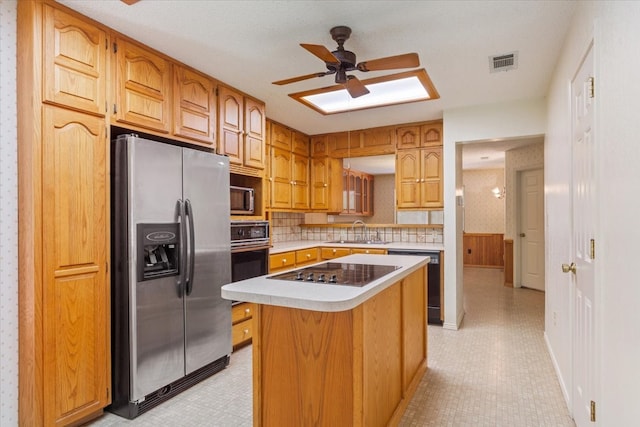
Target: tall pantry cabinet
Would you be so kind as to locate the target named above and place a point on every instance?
(64, 216)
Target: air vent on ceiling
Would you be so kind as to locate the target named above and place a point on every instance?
(505, 62)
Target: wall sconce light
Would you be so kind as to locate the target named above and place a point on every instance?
(499, 194)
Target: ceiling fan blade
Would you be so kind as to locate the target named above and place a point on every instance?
(355, 87)
(299, 78)
(408, 60)
(321, 52)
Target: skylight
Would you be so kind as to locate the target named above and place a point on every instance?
(411, 86)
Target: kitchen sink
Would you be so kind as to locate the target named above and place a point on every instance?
(360, 242)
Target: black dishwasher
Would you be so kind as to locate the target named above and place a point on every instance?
(433, 283)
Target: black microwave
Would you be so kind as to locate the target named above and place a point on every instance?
(242, 200)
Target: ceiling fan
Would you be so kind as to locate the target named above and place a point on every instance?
(341, 61)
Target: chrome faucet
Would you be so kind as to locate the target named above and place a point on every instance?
(364, 228)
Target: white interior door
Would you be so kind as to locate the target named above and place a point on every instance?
(582, 268)
(532, 228)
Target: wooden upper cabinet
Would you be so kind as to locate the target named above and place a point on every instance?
(254, 134)
(326, 184)
(408, 137)
(300, 174)
(143, 87)
(431, 135)
(281, 178)
(375, 139)
(76, 292)
(319, 146)
(194, 104)
(431, 165)
(75, 58)
(280, 136)
(408, 178)
(231, 117)
(242, 131)
(419, 178)
(300, 143)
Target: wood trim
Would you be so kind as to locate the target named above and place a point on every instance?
(508, 263)
(29, 92)
(349, 225)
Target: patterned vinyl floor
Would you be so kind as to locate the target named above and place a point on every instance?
(494, 371)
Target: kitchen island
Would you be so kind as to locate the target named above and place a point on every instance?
(337, 355)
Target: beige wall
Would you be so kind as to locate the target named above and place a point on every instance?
(483, 212)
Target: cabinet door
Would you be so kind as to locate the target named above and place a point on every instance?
(367, 195)
(408, 137)
(75, 57)
(408, 178)
(75, 295)
(320, 183)
(379, 140)
(300, 143)
(194, 105)
(143, 87)
(300, 173)
(431, 181)
(254, 150)
(231, 118)
(282, 180)
(319, 146)
(431, 135)
(280, 136)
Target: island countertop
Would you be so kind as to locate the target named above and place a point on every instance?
(325, 297)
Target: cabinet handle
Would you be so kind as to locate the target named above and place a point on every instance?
(325, 185)
(308, 255)
(270, 179)
(284, 260)
(246, 331)
(247, 311)
(334, 251)
(417, 180)
(367, 251)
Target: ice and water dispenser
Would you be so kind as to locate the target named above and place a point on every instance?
(158, 250)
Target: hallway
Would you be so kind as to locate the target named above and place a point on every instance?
(494, 371)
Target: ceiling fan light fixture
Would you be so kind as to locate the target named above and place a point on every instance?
(410, 86)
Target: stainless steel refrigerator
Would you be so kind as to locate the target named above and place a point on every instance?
(170, 255)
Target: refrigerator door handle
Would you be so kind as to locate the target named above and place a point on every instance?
(183, 247)
(192, 247)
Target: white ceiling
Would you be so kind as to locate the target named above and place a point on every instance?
(249, 44)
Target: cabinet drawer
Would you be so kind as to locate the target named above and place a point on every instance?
(330, 253)
(369, 251)
(306, 256)
(241, 312)
(241, 332)
(281, 261)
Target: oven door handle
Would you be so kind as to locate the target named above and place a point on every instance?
(249, 248)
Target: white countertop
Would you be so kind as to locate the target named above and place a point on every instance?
(306, 244)
(325, 297)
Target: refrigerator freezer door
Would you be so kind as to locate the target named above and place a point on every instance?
(208, 316)
(156, 306)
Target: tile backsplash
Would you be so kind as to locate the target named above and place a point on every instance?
(285, 226)
(388, 234)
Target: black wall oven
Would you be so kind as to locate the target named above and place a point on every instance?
(249, 249)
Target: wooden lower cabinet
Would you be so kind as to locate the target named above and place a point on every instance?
(330, 253)
(362, 370)
(242, 324)
(369, 251)
(282, 261)
(307, 256)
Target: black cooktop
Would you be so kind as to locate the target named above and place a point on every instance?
(336, 273)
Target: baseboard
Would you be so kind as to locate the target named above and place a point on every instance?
(556, 367)
(454, 326)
